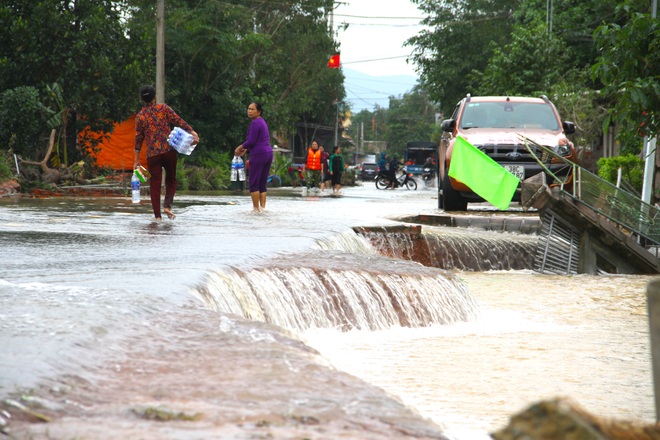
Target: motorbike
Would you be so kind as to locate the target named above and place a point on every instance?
(405, 180)
(428, 175)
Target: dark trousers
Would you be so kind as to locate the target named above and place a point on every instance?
(156, 164)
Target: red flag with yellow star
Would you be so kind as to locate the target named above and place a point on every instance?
(333, 62)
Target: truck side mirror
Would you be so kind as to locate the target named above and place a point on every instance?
(568, 126)
(448, 125)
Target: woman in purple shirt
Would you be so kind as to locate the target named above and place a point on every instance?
(257, 144)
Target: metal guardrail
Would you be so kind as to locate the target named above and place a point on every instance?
(616, 204)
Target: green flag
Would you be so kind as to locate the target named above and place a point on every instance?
(481, 174)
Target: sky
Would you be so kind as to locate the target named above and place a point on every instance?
(373, 45)
(377, 30)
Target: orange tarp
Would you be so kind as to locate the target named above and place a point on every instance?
(117, 151)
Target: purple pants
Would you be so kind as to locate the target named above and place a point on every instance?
(259, 170)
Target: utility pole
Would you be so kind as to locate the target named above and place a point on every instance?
(548, 15)
(362, 136)
(337, 124)
(160, 51)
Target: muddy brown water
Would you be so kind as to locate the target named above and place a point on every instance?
(102, 324)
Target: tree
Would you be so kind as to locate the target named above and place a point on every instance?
(629, 69)
(22, 119)
(81, 45)
(460, 39)
(410, 118)
(530, 64)
(220, 56)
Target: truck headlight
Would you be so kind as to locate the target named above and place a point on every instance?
(562, 150)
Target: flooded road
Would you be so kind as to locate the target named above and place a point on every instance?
(100, 307)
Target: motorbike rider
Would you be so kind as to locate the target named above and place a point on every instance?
(383, 165)
(394, 167)
(429, 168)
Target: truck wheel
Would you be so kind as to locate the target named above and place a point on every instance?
(451, 199)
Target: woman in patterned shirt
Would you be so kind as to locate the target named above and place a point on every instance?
(153, 125)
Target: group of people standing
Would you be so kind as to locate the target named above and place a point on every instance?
(323, 167)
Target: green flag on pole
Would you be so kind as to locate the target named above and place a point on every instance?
(481, 174)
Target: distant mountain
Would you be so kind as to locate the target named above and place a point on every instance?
(365, 91)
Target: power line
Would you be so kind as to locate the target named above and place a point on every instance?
(378, 18)
(375, 59)
(384, 24)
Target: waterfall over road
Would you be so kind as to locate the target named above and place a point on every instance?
(340, 290)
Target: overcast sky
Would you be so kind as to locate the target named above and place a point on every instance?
(377, 30)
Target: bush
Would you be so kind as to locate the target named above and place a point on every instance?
(210, 172)
(632, 169)
(6, 166)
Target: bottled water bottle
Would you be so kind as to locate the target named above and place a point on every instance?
(181, 141)
(174, 138)
(186, 142)
(234, 169)
(240, 166)
(135, 188)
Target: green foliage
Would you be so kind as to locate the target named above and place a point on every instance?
(533, 61)
(280, 165)
(529, 53)
(6, 166)
(410, 118)
(584, 107)
(22, 119)
(83, 46)
(632, 169)
(211, 171)
(629, 68)
(572, 22)
(222, 56)
(460, 38)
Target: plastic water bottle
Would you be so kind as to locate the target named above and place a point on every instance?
(181, 141)
(135, 188)
(234, 169)
(241, 169)
(172, 138)
(186, 142)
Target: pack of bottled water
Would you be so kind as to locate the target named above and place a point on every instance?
(237, 169)
(181, 141)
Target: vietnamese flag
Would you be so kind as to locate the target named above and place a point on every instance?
(333, 62)
(482, 174)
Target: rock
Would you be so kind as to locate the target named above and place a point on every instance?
(9, 188)
(562, 419)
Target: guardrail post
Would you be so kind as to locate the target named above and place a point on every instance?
(653, 302)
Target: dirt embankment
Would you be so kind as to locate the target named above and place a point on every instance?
(9, 188)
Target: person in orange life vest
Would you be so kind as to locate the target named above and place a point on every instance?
(313, 165)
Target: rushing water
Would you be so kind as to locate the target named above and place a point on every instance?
(89, 286)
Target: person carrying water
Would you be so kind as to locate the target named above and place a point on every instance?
(257, 143)
(152, 126)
